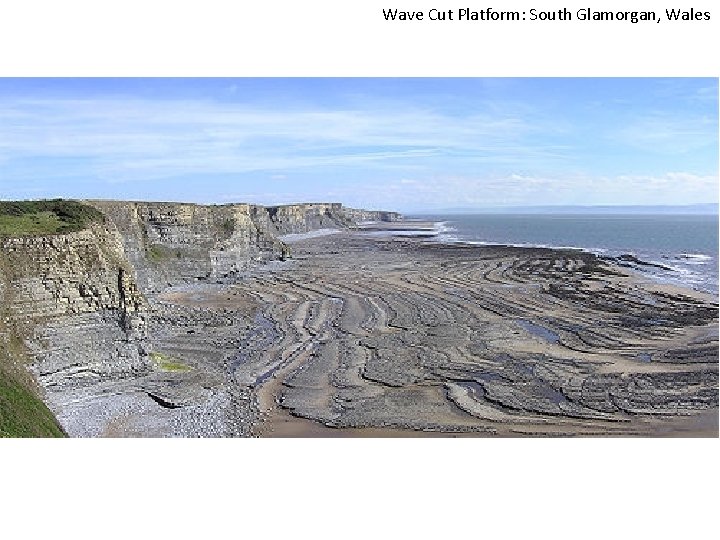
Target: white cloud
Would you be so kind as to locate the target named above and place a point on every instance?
(393, 153)
(528, 190)
(136, 139)
(669, 134)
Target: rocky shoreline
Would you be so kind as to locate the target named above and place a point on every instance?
(362, 334)
(369, 336)
(407, 334)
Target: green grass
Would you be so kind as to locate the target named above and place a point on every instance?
(34, 224)
(228, 226)
(168, 363)
(22, 414)
(156, 252)
(35, 218)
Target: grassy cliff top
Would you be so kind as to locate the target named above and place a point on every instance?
(37, 218)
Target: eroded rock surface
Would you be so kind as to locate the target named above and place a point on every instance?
(111, 357)
(404, 334)
(194, 321)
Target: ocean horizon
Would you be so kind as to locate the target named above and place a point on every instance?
(684, 247)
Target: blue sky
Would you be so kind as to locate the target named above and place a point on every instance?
(401, 144)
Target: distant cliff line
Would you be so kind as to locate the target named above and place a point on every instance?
(169, 243)
(158, 244)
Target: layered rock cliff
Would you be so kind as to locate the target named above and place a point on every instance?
(357, 215)
(171, 243)
(74, 301)
(77, 303)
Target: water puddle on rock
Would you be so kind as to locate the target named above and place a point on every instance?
(258, 338)
(539, 331)
(555, 396)
(475, 390)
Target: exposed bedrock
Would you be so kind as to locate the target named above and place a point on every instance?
(112, 359)
(171, 243)
(492, 340)
(74, 300)
(165, 321)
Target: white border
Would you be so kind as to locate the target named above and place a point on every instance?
(513, 488)
(331, 38)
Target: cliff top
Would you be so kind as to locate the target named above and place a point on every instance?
(214, 204)
(59, 216)
(56, 216)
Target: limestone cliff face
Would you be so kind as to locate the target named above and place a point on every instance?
(173, 243)
(301, 218)
(358, 216)
(73, 299)
(77, 301)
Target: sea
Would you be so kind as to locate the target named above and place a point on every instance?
(684, 247)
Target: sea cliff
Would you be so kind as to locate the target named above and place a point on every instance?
(183, 320)
(75, 304)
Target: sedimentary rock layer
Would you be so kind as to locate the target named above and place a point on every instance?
(184, 320)
(407, 335)
(81, 303)
(171, 243)
(74, 301)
